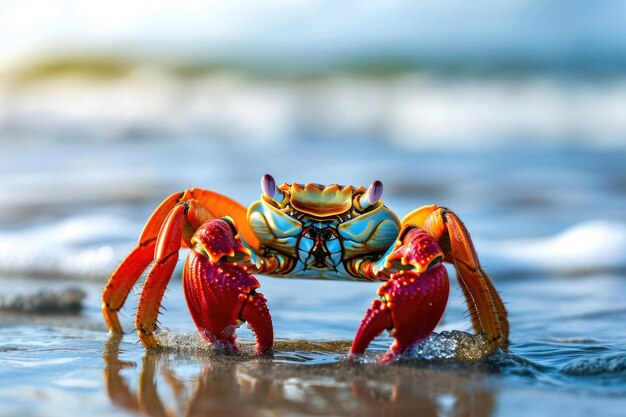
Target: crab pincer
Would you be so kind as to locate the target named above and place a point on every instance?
(412, 302)
(220, 293)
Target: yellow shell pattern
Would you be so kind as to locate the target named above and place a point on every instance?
(320, 200)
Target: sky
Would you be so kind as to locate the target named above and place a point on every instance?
(571, 56)
(546, 32)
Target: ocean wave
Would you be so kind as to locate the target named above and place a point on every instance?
(603, 365)
(408, 110)
(588, 247)
(91, 246)
(79, 247)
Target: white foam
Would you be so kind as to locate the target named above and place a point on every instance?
(596, 245)
(82, 246)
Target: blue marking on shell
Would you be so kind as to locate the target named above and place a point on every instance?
(367, 234)
(319, 246)
(336, 252)
(300, 271)
(372, 232)
(273, 227)
(304, 249)
(380, 265)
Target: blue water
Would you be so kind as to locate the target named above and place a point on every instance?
(549, 226)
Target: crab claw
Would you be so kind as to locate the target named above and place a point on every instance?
(412, 302)
(220, 293)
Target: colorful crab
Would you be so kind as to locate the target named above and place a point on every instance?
(310, 231)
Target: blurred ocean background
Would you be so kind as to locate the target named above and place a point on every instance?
(401, 73)
(513, 114)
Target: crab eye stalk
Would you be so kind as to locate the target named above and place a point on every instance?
(372, 195)
(268, 185)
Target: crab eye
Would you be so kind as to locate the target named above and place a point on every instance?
(268, 185)
(374, 192)
(372, 195)
(271, 191)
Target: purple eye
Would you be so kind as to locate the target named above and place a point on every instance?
(268, 185)
(374, 192)
(372, 195)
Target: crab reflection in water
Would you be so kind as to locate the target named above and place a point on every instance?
(239, 386)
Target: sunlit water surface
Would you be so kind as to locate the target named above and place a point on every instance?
(549, 227)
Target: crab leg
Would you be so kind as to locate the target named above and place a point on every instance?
(489, 316)
(211, 204)
(188, 215)
(128, 272)
(166, 255)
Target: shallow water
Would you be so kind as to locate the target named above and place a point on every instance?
(549, 226)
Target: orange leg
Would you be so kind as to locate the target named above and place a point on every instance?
(188, 215)
(220, 206)
(165, 258)
(489, 316)
(128, 272)
(125, 276)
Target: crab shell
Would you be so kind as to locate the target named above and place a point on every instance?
(279, 221)
(319, 200)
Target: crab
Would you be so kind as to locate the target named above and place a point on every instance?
(304, 231)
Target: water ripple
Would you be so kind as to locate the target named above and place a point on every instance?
(597, 366)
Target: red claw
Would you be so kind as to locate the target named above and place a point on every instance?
(377, 319)
(221, 294)
(256, 313)
(412, 303)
